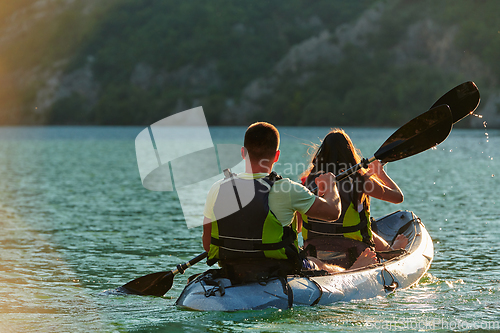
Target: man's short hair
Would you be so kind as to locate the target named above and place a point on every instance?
(261, 141)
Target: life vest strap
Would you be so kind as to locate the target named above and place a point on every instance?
(251, 245)
(331, 228)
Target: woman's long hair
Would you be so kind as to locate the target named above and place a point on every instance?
(336, 154)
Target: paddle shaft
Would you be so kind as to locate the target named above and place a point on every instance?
(344, 174)
(181, 268)
(362, 165)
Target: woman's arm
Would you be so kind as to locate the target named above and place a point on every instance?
(380, 186)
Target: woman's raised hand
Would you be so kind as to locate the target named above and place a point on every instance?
(375, 168)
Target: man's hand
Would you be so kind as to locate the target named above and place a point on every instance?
(327, 204)
(326, 183)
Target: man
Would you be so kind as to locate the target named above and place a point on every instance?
(258, 237)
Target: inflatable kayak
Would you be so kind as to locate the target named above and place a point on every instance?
(206, 292)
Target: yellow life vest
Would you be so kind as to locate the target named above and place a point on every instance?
(351, 224)
(354, 224)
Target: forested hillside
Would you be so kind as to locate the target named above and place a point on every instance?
(291, 62)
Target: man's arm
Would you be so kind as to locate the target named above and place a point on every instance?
(207, 233)
(327, 205)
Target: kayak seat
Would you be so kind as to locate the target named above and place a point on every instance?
(338, 251)
(313, 273)
(389, 226)
(391, 254)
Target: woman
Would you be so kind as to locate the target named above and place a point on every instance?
(350, 237)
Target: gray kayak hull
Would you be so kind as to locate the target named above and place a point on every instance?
(368, 282)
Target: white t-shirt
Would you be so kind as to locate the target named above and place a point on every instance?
(285, 197)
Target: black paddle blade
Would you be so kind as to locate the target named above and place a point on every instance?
(462, 100)
(157, 284)
(154, 284)
(419, 134)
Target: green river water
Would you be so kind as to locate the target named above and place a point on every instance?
(75, 220)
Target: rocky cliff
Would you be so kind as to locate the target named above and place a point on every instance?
(134, 62)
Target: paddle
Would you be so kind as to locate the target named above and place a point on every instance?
(419, 134)
(462, 100)
(157, 284)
